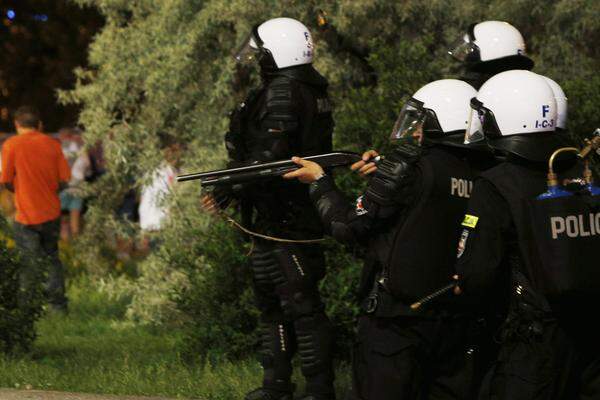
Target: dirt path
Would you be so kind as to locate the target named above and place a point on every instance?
(8, 394)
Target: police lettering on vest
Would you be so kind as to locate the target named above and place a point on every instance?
(461, 187)
(575, 226)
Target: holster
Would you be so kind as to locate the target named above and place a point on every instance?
(370, 303)
(528, 312)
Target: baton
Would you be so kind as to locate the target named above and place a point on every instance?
(433, 296)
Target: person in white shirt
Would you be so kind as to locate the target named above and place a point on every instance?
(153, 208)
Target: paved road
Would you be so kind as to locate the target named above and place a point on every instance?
(7, 394)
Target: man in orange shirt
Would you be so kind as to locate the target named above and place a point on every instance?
(33, 166)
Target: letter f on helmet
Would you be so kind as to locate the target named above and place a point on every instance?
(545, 110)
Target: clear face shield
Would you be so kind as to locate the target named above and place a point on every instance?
(249, 50)
(465, 50)
(409, 125)
(474, 132)
(481, 121)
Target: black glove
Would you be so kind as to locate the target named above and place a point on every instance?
(394, 179)
(223, 194)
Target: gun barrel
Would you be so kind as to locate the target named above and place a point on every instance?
(261, 170)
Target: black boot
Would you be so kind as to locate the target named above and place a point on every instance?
(266, 394)
(314, 347)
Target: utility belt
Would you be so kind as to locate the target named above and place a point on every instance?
(381, 302)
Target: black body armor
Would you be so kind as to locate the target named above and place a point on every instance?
(558, 238)
(549, 349)
(409, 219)
(412, 242)
(290, 115)
(424, 246)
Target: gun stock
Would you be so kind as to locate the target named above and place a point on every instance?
(270, 169)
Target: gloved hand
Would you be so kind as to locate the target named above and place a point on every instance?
(389, 182)
(395, 176)
(216, 200)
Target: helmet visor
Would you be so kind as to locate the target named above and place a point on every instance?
(482, 123)
(465, 50)
(409, 125)
(249, 50)
(474, 132)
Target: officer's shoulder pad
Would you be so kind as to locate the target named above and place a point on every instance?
(281, 80)
(280, 93)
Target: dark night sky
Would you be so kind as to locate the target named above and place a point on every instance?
(41, 42)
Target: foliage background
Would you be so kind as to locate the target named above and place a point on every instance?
(162, 70)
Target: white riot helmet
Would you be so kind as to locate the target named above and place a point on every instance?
(286, 42)
(515, 112)
(489, 41)
(561, 103)
(439, 112)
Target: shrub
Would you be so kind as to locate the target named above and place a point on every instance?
(219, 302)
(19, 308)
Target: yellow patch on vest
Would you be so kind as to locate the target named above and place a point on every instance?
(470, 221)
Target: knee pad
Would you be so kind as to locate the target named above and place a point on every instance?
(266, 269)
(314, 336)
(277, 349)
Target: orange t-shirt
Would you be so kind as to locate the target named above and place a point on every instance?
(34, 164)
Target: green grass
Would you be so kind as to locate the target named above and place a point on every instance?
(95, 350)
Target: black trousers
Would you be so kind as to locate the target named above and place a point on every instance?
(39, 244)
(293, 319)
(546, 360)
(413, 358)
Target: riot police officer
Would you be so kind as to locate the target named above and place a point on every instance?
(549, 348)
(484, 50)
(289, 114)
(488, 48)
(408, 218)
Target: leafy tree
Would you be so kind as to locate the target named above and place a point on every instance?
(162, 71)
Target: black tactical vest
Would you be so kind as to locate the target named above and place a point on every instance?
(421, 251)
(290, 115)
(294, 101)
(558, 239)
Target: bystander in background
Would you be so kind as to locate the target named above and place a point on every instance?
(33, 166)
(71, 204)
(153, 205)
